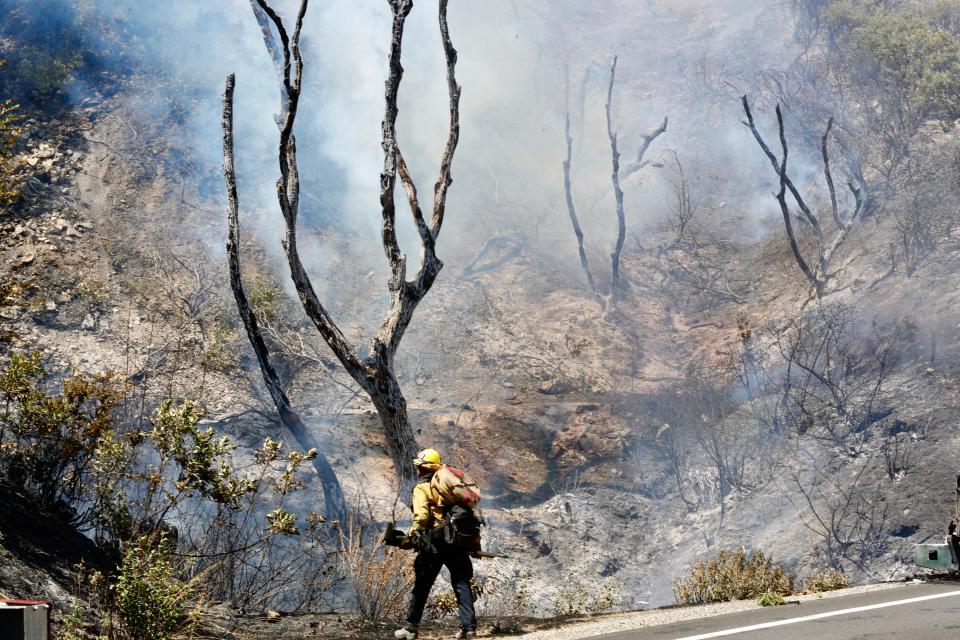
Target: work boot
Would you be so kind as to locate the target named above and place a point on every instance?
(406, 632)
(466, 633)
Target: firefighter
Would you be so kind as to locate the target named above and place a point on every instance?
(433, 554)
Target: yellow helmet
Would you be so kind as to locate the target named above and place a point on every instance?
(427, 458)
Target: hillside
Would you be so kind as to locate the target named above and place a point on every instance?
(717, 402)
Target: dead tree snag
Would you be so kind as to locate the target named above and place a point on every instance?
(819, 274)
(568, 191)
(334, 503)
(374, 371)
(646, 140)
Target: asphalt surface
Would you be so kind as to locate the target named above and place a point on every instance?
(936, 614)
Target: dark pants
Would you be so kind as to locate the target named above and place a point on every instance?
(427, 567)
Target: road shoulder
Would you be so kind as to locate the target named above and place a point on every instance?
(614, 623)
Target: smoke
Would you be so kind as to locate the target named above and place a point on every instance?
(676, 59)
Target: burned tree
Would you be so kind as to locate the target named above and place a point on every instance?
(646, 140)
(818, 274)
(568, 191)
(373, 372)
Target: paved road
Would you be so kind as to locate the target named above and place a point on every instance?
(914, 611)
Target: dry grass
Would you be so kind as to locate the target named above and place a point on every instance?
(828, 580)
(732, 576)
(381, 577)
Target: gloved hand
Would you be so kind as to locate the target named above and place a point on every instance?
(406, 542)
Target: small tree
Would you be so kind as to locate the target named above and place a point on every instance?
(373, 372)
(646, 140)
(9, 135)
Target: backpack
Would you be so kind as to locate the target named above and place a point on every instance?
(459, 497)
(455, 487)
(462, 528)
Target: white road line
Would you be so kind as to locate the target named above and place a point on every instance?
(818, 616)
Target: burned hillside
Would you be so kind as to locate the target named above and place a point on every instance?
(694, 291)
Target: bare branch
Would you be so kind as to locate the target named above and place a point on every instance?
(781, 198)
(453, 136)
(288, 195)
(825, 250)
(808, 215)
(568, 191)
(617, 191)
(373, 373)
(829, 178)
(426, 238)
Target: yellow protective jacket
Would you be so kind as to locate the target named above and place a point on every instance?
(427, 510)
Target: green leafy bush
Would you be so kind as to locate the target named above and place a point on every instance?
(50, 48)
(770, 599)
(151, 602)
(732, 576)
(48, 439)
(909, 53)
(9, 136)
(72, 626)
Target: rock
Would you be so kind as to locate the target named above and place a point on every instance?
(272, 616)
(554, 387)
(27, 257)
(51, 305)
(32, 161)
(89, 323)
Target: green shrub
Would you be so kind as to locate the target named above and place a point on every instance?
(732, 576)
(150, 600)
(828, 580)
(770, 599)
(49, 48)
(49, 439)
(43, 72)
(9, 135)
(72, 628)
(909, 53)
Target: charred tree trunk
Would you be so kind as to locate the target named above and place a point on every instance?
(374, 373)
(334, 503)
(617, 193)
(818, 276)
(647, 140)
(568, 192)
